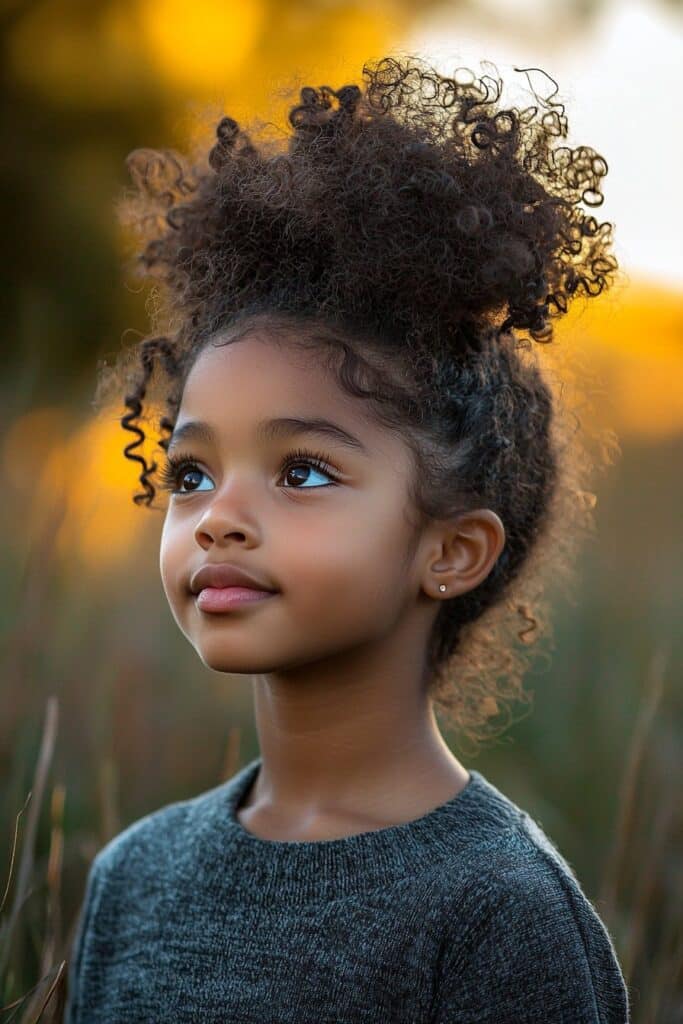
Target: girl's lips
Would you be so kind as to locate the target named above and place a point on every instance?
(224, 599)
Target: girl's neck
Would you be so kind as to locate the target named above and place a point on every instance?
(356, 775)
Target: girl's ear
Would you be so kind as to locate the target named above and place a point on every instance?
(470, 546)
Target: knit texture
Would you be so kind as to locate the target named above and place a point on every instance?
(467, 915)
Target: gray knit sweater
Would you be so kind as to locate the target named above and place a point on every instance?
(467, 915)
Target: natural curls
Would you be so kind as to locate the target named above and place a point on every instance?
(420, 233)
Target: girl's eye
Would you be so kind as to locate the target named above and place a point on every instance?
(176, 469)
(296, 467)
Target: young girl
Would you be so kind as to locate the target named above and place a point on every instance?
(366, 466)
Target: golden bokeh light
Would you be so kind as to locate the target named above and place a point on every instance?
(240, 53)
(86, 471)
(324, 46)
(199, 45)
(634, 339)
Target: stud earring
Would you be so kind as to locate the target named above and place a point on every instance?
(442, 586)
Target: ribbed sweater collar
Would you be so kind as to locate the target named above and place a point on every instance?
(276, 871)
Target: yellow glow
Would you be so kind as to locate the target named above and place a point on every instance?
(634, 337)
(87, 473)
(300, 47)
(233, 52)
(201, 44)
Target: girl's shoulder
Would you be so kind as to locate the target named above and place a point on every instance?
(161, 839)
(518, 931)
(513, 869)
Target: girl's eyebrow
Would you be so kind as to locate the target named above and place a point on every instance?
(269, 429)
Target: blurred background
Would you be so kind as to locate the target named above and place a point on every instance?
(107, 712)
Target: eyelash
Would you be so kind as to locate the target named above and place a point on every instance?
(177, 464)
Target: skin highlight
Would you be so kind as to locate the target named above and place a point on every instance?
(347, 733)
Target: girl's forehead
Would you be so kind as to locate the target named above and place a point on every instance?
(272, 360)
(258, 374)
(242, 384)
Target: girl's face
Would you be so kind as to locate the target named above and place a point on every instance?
(331, 541)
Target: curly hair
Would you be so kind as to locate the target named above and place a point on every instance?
(421, 235)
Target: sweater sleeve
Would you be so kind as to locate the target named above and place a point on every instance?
(73, 1012)
(537, 953)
